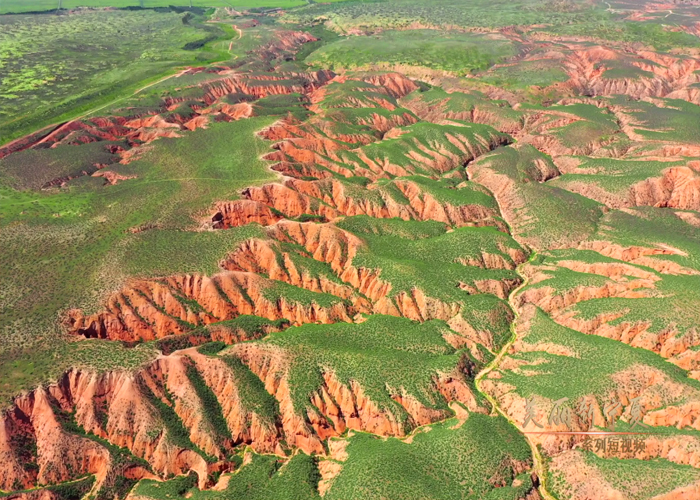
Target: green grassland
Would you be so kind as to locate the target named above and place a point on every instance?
(459, 102)
(650, 33)
(365, 94)
(455, 104)
(75, 242)
(594, 125)
(626, 69)
(525, 74)
(57, 66)
(591, 368)
(264, 478)
(278, 290)
(673, 120)
(639, 479)
(445, 191)
(252, 391)
(671, 305)
(22, 173)
(615, 176)
(449, 460)
(18, 6)
(173, 488)
(169, 251)
(45, 361)
(457, 52)
(354, 120)
(676, 304)
(72, 491)
(653, 227)
(523, 164)
(410, 259)
(371, 16)
(445, 461)
(674, 301)
(546, 215)
(429, 141)
(563, 279)
(385, 355)
(643, 479)
(429, 264)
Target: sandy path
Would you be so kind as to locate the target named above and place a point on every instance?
(161, 80)
(240, 35)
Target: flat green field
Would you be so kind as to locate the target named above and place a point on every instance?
(451, 51)
(372, 15)
(650, 33)
(54, 67)
(526, 74)
(18, 6)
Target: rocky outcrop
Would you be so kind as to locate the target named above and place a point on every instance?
(129, 411)
(480, 110)
(285, 42)
(150, 309)
(627, 282)
(396, 84)
(265, 257)
(112, 177)
(41, 452)
(641, 256)
(257, 86)
(245, 423)
(678, 187)
(241, 212)
(331, 198)
(652, 74)
(120, 407)
(113, 406)
(332, 245)
(335, 406)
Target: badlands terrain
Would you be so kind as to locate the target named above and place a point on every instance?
(350, 250)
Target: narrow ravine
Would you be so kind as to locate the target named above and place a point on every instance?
(538, 463)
